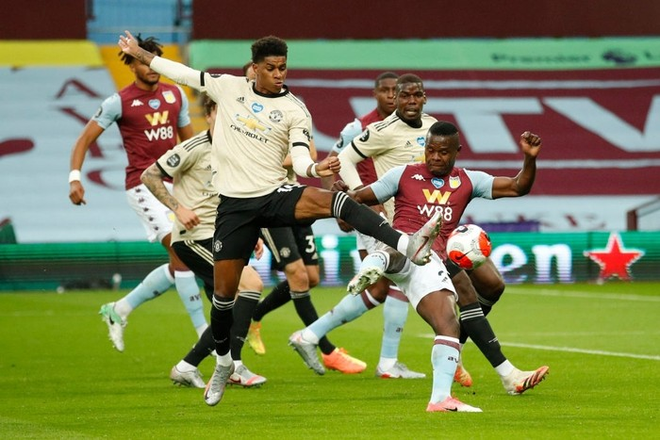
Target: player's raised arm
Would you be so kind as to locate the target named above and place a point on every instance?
(524, 180)
(177, 72)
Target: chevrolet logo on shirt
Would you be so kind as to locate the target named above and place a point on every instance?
(252, 124)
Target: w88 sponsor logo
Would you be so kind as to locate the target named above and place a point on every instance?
(430, 210)
(160, 133)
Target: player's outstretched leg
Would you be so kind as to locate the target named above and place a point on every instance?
(419, 244)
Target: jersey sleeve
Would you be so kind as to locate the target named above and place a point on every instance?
(177, 160)
(215, 84)
(350, 131)
(482, 184)
(184, 114)
(370, 143)
(109, 112)
(300, 131)
(387, 186)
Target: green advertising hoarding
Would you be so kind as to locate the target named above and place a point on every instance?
(522, 257)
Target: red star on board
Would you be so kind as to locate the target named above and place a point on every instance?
(614, 260)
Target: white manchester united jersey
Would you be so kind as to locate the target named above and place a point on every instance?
(255, 134)
(391, 143)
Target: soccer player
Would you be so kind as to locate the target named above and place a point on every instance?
(294, 253)
(397, 140)
(440, 187)
(260, 122)
(429, 287)
(194, 201)
(150, 115)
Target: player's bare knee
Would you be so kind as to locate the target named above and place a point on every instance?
(296, 274)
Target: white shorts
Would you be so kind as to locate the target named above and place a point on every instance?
(156, 218)
(418, 281)
(365, 242)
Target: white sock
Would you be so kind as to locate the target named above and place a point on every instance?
(402, 245)
(184, 366)
(224, 359)
(505, 368)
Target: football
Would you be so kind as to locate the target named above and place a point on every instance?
(468, 246)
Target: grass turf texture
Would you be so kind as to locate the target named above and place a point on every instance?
(60, 377)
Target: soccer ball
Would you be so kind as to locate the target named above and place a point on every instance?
(468, 246)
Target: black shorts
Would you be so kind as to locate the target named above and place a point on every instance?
(238, 221)
(291, 244)
(198, 256)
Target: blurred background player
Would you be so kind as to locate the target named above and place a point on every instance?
(194, 201)
(150, 115)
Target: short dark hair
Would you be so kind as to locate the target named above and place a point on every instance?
(384, 75)
(208, 104)
(443, 128)
(268, 46)
(408, 78)
(149, 44)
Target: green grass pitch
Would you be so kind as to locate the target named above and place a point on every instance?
(60, 378)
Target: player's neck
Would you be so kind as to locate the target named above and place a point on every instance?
(145, 86)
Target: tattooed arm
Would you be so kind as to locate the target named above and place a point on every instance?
(152, 178)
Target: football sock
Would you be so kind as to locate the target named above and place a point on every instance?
(443, 357)
(277, 297)
(376, 259)
(186, 286)
(224, 360)
(203, 348)
(221, 322)
(395, 313)
(349, 308)
(184, 366)
(152, 286)
(478, 328)
(486, 304)
(505, 368)
(365, 220)
(307, 313)
(244, 307)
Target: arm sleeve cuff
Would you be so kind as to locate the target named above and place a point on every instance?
(177, 72)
